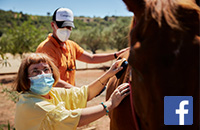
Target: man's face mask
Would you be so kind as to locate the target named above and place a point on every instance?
(41, 84)
(62, 33)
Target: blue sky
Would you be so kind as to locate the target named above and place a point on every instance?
(91, 8)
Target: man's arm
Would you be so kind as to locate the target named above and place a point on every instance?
(99, 58)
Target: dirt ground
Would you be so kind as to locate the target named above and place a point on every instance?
(7, 106)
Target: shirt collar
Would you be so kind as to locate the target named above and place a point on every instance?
(54, 41)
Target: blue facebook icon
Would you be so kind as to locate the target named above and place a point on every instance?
(178, 110)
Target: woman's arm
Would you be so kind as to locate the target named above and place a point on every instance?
(91, 114)
(95, 87)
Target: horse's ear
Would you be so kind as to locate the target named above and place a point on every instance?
(135, 6)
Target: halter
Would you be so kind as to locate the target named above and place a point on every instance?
(131, 101)
(128, 78)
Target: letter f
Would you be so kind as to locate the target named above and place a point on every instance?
(181, 111)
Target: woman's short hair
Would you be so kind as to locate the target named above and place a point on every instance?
(22, 83)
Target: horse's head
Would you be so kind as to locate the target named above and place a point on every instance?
(160, 28)
(164, 51)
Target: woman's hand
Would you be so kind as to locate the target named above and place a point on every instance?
(114, 68)
(118, 95)
(90, 114)
(95, 87)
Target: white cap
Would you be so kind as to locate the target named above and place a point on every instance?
(64, 17)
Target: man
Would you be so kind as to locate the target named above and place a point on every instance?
(64, 52)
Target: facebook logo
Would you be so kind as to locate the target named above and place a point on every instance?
(178, 110)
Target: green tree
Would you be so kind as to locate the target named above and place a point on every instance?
(21, 33)
(94, 39)
(117, 33)
(21, 39)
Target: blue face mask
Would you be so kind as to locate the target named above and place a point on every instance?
(41, 84)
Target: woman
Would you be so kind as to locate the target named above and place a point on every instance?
(42, 107)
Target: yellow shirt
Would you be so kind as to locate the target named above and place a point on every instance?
(61, 112)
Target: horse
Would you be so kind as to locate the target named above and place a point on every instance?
(121, 117)
(164, 61)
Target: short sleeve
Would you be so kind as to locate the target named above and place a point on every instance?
(60, 118)
(67, 112)
(74, 98)
(78, 50)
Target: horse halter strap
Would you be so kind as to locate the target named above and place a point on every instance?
(131, 101)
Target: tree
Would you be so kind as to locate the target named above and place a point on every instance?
(117, 34)
(48, 13)
(21, 33)
(21, 39)
(94, 39)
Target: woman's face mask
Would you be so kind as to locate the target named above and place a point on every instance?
(63, 34)
(41, 84)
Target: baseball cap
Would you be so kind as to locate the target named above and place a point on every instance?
(63, 17)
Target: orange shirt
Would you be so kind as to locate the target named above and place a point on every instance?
(64, 57)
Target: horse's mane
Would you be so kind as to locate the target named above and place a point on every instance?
(177, 14)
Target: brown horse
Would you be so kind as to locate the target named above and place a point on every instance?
(164, 56)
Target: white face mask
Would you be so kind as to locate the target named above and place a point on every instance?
(63, 34)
